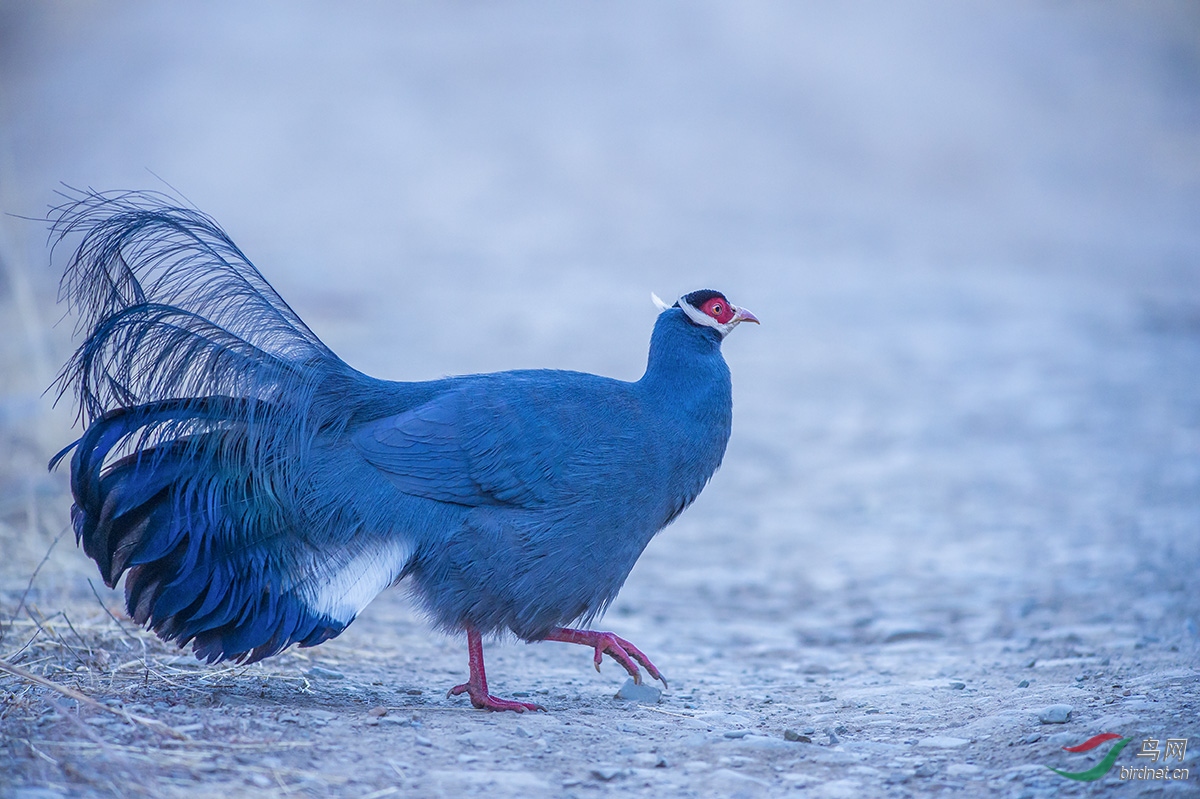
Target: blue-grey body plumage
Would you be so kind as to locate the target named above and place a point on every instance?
(255, 491)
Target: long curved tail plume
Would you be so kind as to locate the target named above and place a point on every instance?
(170, 307)
(203, 395)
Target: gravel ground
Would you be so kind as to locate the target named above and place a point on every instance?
(964, 481)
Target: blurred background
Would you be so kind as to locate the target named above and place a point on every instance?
(971, 232)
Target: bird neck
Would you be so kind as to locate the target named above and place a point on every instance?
(688, 400)
(685, 366)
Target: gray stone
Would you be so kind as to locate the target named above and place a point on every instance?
(394, 721)
(943, 742)
(912, 634)
(762, 743)
(649, 760)
(645, 693)
(1055, 714)
(607, 773)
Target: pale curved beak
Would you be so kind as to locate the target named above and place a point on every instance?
(743, 315)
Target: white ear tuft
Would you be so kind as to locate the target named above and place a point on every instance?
(658, 303)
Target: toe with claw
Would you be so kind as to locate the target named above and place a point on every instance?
(620, 650)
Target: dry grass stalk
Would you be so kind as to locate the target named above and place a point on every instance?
(71, 693)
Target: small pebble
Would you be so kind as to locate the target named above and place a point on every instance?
(736, 733)
(423, 741)
(1055, 714)
(792, 735)
(607, 773)
(943, 742)
(736, 761)
(1023, 684)
(958, 686)
(901, 636)
(649, 760)
(380, 710)
(645, 693)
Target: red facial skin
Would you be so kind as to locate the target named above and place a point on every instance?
(718, 308)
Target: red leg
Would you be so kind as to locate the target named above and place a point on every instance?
(477, 688)
(621, 650)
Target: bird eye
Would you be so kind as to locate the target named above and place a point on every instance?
(717, 309)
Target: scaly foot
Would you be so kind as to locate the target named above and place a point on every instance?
(481, 699)
(476, 686)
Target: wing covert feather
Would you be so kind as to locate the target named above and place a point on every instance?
(468, 447)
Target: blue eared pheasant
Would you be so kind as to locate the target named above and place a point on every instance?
(255, 491)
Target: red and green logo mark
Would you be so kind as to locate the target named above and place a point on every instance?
(1104, 766)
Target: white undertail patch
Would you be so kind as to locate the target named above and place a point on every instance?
(342, 591)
